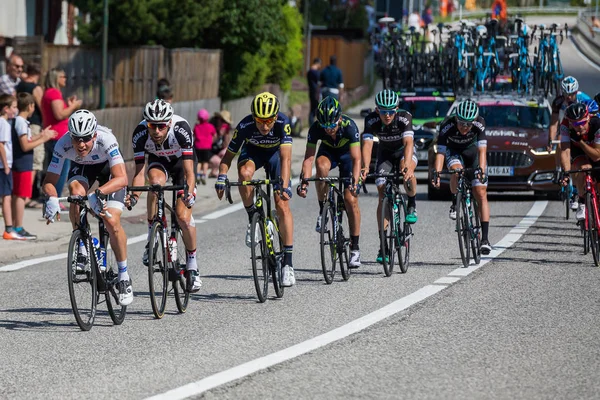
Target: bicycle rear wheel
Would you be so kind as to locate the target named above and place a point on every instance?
(462, 229)
(277, 259)
(182, 296)
(260, 262)
(83, 289)
(329, 254)
(158, 276)
(592, 216)
(117, 312)
(403, 239)
(387, 237)
(344, 243)
(475, 230)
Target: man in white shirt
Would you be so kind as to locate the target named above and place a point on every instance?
(11, 79)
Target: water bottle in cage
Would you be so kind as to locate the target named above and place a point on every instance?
(100, 254)
(271, 228)
(172, 249)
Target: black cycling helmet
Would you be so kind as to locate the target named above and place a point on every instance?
(329, 111)
(597, 98)
(577, 112)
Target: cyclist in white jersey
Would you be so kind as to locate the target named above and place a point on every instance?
(94, 154)
(167, 139)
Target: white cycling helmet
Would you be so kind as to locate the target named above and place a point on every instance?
(569, 85)
(481, 31)
(82, 123)
(158, 111)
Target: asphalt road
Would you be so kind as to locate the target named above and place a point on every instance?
(524, 325)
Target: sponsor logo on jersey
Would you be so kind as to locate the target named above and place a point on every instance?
(114, 153)
(447, 128)
(139, 135)
(182, 131)
(95, 157)
(54, 159)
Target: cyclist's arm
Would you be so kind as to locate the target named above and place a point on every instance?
(226, 162)
(482, 157)
(285, 151)
(54, 170)
(117, 181)
(367, 148)
(409, 149)
(355, 155)
(565, 156)
(309, 158)
(139, 177)
(553, 129)
(49, 185)
(188, 172)
(439, 161)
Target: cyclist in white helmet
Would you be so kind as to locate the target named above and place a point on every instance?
(95, 155)
(167, 139)
(570, 95)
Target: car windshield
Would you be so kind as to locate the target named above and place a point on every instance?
(426, 109)
(515, 116)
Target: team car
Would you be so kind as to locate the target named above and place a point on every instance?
(517, 146)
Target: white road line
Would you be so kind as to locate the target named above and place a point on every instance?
(250, 367)
(583, 56)
(301, 348)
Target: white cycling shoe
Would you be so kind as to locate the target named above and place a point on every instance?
(288, 276)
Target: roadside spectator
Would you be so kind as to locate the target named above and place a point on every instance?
(55, 113)
(8, 110)
(14, 69)
(414, 21)
(427, 17)
(204, 136)
(594, 25)
(332, 83)
(30, 85)
(22, 167)
(164, 91)
(312, 76)
(222, 122)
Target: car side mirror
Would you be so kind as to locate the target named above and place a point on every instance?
(364, 112)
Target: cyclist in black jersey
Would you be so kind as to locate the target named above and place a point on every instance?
(167, 140)
(265, 139)
(462, 142)
(580, 147)
(340, 145)
(394, 129)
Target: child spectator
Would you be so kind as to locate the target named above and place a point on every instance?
(204, 134)
(8, 110)
(22, 166)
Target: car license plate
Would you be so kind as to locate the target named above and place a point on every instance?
(422, 155)
(501, 171)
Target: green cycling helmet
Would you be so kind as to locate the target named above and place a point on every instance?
(467, 111)
(387, 99)
(329, 111)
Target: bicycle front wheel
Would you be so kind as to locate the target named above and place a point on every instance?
(475, 230)
(329, 254)
(277, 257)
(158, 277)
(83, 289)
(462, 229)
(403, 240)
(592, 216)
(182, 296)
(116, 311)
(260, 262)
(344, 243)
(386, 236)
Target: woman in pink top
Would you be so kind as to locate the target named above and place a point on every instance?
(55, 113)
(204, 134)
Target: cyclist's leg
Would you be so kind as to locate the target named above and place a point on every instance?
(157, 175)
(352, 208)
(411, 189)
(184, 215)
(385, 165)
(79, 181)
(453, 161)
(323, 165)
(248, 163)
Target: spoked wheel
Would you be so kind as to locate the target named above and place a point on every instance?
(329, 254)
(403, 241)
(462, 229)
(182, 296)
(592, 215)
(344, 244)
(260, 262)
(277, 260)
(115, 309)
(83, 290)
(387, 237)
(158, 276)
(565, 197)
(586, 237)
(475, 230)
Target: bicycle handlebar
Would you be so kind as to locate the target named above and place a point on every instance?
(81, 201)
(253, 182)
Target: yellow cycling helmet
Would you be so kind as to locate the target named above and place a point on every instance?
(265, 105)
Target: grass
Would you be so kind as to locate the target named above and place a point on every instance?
(298, 97)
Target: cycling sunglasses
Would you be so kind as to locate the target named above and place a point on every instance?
(328, 126)
(466, 124)
(579, 123)
(266, 121)
(387, 112)
(158, 126)
(84, 139)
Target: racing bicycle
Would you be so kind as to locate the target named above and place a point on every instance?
(468, 223)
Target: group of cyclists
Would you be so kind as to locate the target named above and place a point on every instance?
(163, 150)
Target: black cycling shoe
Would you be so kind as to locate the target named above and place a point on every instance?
(485, 247)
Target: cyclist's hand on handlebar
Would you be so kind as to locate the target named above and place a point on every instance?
(131, 200)
(51, 210)
(220, 185)
(302, 189)
(479, 174)
(409, 173)
(363, 173)
(190, 199)
(435, 180)
(97, 201)
(285, 194)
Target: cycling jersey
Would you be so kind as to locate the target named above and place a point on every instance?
(450, 137)
(247, 133)
(105, 149)
(345, 137)
(560, 103)
(569, 135)
(390, 136)
(178, 143)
